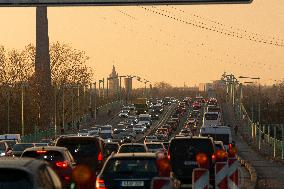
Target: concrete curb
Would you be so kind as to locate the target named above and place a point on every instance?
(252, 171)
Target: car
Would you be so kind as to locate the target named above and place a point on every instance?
(133, 119)
(144, 119)
(185, 132)
(169, 127)
(128, 170)
(86, 150)
(123, 113)
(185, 151)
(59, 158)
(10, 143)
(221, 154)
(111, 147)
(155, 147)
(20, 147)
(27, 173)
(151, 138)
(106, 132)
(139, 128)
(3, 148)
(132, 148)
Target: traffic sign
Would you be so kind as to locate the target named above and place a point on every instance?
(17, 3)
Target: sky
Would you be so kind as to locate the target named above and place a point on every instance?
(164, 43)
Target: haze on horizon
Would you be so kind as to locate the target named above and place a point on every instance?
(139, 42)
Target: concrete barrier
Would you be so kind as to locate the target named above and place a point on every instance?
(252, 172)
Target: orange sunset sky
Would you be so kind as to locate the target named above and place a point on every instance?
(159, 48)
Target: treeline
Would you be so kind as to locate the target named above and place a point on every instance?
(71, 79)
(271, 100)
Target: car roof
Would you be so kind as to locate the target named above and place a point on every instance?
(27, 164)
(133, 144)
(153, 143)
(54, 148)
(191, 137)
(218, 142)
(134, 155)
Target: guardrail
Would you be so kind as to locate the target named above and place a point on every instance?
(51, 133)
(262, 136)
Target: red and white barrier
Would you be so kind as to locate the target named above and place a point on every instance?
(233, 173)
(200, 178)
(221, 175)
(161, 183)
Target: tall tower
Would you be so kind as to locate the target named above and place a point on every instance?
(114, 82)
(42, 68)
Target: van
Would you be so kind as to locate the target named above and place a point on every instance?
(219, 133)
(183, 152)
(211, 119)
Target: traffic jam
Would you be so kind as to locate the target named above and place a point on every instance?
(153, 143)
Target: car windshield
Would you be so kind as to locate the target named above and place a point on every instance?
(79, 147)
(14, 179)
(131, 166)
(46, 155)
(222, 137)
(22, 147)
(132, 149)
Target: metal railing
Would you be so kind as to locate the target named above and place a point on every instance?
(263, 136)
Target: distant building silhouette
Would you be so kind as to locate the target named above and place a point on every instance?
(113, 81)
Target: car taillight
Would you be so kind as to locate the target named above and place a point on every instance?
(232, 152)
(61, 164)
(213, 157)
(230, 146)
(100, 184)
(100, 156)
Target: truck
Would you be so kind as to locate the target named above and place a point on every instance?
(141, 105)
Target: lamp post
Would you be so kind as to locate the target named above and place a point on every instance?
(252, 106)
(22, 107)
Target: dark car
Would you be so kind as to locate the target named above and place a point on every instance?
(27, 173)
(85, 150)
(183, 153)
(59, 158)
(128, 170)
(132, 148)
(111, 147)
(20, 147)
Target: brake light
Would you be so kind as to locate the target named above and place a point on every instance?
(61, 164)
(169, 156)
(100, 156)
(41, 151)
(230, 146)
(100, 184)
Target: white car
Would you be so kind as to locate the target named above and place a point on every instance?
(123, 113)
(139, 128)
(150, 139)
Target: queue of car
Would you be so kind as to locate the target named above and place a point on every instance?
(104, 157)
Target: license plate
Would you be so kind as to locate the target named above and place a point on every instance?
(132, 183)
(190, 163)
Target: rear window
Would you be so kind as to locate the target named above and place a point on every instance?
(80, 146)
(211, 116)
(22, 147)
(213, 109)
(131, 166)
(188, 148)
(49, 156)
(154, 146)
(132, 149)
(111, 147)
(221, 137)
(14, 179)
(219, 146)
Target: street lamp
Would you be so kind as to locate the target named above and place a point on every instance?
(23, 85)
